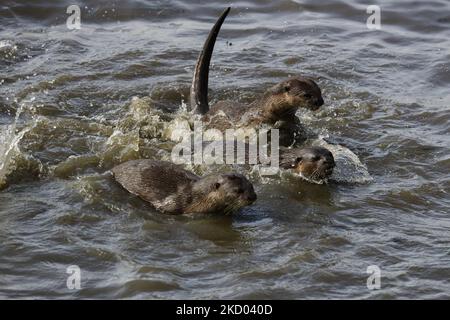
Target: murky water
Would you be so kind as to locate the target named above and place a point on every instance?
(65, 120)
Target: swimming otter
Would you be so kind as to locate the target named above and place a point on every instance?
(312, 163)
(315, 164)
(278, 104)
(173, 190)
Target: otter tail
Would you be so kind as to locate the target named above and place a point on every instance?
(199, 89)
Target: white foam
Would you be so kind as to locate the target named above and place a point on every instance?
(349, 168)
(9, 147)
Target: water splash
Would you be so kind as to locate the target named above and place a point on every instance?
(151, 123)
(10, 153)
(349, 168)
(8, 50)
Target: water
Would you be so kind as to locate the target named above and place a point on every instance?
(65, 120)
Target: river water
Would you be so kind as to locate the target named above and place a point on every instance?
(65, 120)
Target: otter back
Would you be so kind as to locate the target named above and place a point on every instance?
(164, 185)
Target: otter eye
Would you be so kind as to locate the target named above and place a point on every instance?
(217, 185)
(307, 96)
(297, 161)
(287, 88)
(316, 158)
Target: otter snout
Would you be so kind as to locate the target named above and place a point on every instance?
(328, 164)
(329, 169)
(328, 160)
(316, 103)
(251, 197)
(319, 102)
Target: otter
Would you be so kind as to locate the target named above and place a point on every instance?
(312, 163)
(173, 190)
(277, 107)
(315, 164)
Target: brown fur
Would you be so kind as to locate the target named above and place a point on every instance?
(315, 163)
(278, 104)
(171, 189)
(277, 108)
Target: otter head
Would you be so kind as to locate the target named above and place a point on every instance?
(315, 163)
(283, 99)
(223, 193)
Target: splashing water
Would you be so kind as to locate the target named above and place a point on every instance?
(349, 168)
(9, 147)
(152, 124)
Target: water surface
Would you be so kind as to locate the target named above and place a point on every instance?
(64, 104)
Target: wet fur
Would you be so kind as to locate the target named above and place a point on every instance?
(278, 104)
(315, 163)
(171, 189)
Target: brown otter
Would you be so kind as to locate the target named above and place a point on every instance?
(312, 163)
(277, 105)
(171, 189)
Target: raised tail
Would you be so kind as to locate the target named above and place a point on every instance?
(199, 89)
